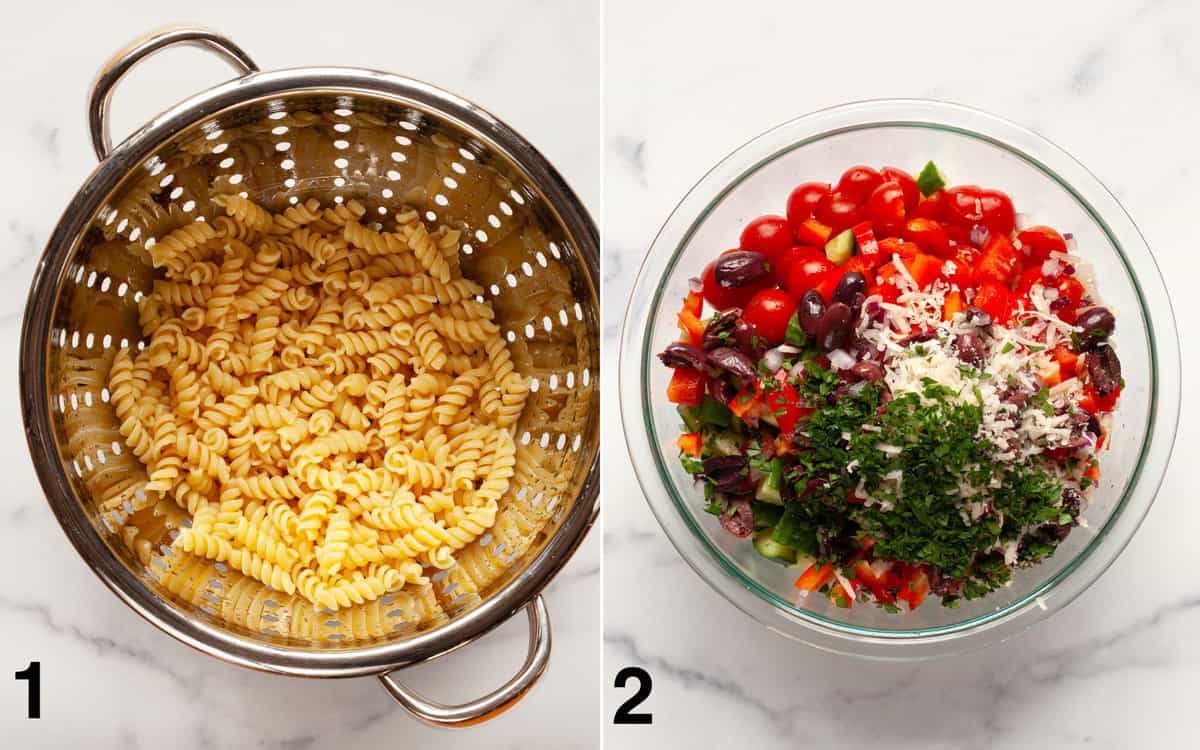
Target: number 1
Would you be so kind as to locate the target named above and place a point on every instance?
(33, 673)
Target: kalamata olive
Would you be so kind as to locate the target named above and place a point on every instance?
(730, 483)
(722, 464)
(721, 389)
(1104, 370)
(941, 584)
(812, 309)
(740, 268)
(719, 331)
(749, 342)
(970, 349)
(684, 355)
(835, 327)
(867, 370)
(732, 361)
(738, 519)
(977, 316)
(1097, 324)
(851, 289)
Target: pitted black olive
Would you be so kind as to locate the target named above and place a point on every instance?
(851, 290)
(1072, 502)
(867, 370)
(732, 361)
(741, 268)
(812, 309)
(721, 389)
(970, 349)
(750, 343)
(1097, 324)
(977, 316)
(1104, 370)
(835, 327)
(720, 329)
(684, 355)
(719, 465)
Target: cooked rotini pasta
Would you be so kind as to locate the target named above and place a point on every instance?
(330, 402)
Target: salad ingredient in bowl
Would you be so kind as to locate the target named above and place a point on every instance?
(896, 388)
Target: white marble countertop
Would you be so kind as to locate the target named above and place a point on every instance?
(1112, 83)
(109, 679)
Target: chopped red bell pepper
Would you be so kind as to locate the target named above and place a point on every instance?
(813, 233)
(868, 246)
(686, 387)
(879, 583)
(830, 283)
(914, 586)
(953, 305)
(992, 298)
(925, 269)
(893, 246)
(815, 577)
(999, 259)
(690, 443)
(692, 326)
(784, 403)
(694, 303)
(746, 400)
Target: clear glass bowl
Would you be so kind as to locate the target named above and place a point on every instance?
(1048, 186)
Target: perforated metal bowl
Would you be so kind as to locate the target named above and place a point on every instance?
(335, 134)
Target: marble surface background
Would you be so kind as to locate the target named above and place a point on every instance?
(109, 678)
(1114, 84)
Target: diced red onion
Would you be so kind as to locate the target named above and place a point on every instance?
(695, 285)
(1051, 268)
(773, 359)
(797, 370)
(840, 359)
(979, 235)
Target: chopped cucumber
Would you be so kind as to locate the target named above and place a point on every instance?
(795, 334)
(841, 247)
(712, 411)
(772, 550)
(725, 444)
(796, 531)
(691, 418)
(931, 179)
(768, 486)
(766, 515)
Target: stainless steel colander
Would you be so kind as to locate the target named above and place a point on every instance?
(282, 137)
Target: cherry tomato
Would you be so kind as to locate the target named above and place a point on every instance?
(999, 260)
(992, 298)
(803, 201)
(839, 211)
(998, 213)
(1038, 242)
(768, 314)
(722, 298)
(1070, 293)
(1029, 278)
(783, 264)
(929, 207)
(912, 194)
(962, 206)
(929, 236)
(858, 183)
(805, 274)
(770, 235)
(885, 207)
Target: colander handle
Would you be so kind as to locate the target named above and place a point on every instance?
(141, 48)
(495, 703)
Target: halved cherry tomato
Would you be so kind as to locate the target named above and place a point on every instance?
(857, 183)
(954, 304)
(686, 387)
(815, 577)
(912, 194)
(1029, 278)
(783, 264)
(770, 235)
(961, 205)
(992, 298)
(925, 269)
(806, 273)
(1070, 293)
(812, 233)
(999, 259)
(784, 403)
(768, 314)
(723, 298)
(803, 201)
(1038, 242)
(885, 207)
(690, 444)
(839, 211)
(929, 207)
(866, 575)
(998, 213)
(930, 236)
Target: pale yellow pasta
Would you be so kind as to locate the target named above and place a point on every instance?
(331, 403)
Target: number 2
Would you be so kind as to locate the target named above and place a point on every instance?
(33, 673)
(625, 714)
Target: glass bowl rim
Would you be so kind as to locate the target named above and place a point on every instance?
(677, 231)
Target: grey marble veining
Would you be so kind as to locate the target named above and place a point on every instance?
(1114, 669)
(107, 675)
